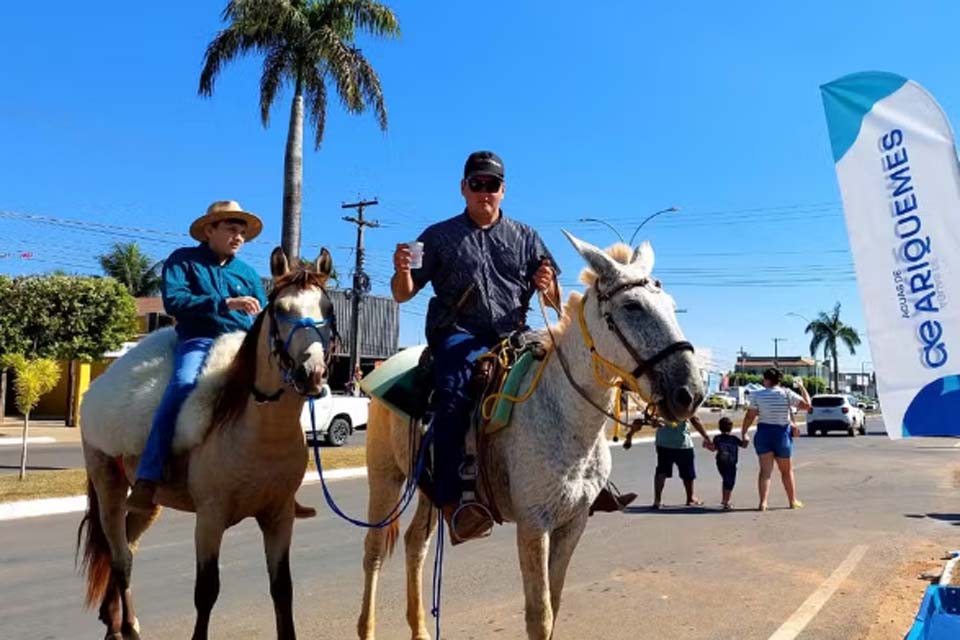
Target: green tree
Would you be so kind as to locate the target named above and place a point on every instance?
(127, 264)
(34, 379)
(827, 331)
(306, 44)
(66, 318)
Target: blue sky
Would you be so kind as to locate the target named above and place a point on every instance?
(611, 112)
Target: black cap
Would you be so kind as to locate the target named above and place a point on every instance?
(483, 163)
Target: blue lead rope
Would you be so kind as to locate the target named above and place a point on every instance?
(409, 491)
(406, 497)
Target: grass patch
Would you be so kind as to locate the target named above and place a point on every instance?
(43, 484)
(338, 458)
(73, 482)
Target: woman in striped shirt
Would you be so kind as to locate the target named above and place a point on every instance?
(775, 432)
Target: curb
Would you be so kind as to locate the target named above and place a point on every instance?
(74, 504)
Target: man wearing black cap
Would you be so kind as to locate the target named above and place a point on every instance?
(484, 268)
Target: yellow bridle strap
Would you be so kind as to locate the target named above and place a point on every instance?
(486, 410)
(619, 376)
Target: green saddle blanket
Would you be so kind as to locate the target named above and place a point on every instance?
(404, 386)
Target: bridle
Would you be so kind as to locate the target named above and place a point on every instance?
(325, 328)
(644, 365)
(629, 379)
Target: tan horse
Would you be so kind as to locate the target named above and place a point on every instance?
(234, 457)
(547, 468)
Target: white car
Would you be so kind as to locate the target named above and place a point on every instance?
(835, 412)
(337, 417)
(721, 400)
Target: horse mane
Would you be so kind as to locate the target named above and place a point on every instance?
(240, 375)
(620, 252)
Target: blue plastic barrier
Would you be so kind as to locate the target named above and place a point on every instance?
(939, 615)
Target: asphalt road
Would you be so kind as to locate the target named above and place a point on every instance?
(679, 573)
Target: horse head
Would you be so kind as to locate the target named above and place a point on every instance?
(302, 322)
(634, 326)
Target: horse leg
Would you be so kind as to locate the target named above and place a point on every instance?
(106, 554)
(137, 524)
(563, 540)
(384, 484)
(207, 538)
(277, 528)
(416, 541)
(534, 547)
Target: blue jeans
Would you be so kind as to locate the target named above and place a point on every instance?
(188, 359)
(453, 357)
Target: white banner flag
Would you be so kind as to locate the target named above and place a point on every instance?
(900, 182)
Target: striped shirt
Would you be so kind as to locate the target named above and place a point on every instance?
(773, 404)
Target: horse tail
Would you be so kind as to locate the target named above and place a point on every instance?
(393, 532)
(96, 563)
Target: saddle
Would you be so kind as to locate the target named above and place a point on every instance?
(496, 379)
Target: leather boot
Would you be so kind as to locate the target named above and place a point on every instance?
(141, 497)
(467, 521)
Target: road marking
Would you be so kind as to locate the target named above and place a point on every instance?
(10, 441)
(812, 605)
(956, 446)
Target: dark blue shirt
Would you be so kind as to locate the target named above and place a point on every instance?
(728, 449)
(196, 287)
(482, 278)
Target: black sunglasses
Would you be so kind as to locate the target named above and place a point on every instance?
(484, 185)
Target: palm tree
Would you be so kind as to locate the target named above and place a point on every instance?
(305, 43)
(132, 268)
(826, 330)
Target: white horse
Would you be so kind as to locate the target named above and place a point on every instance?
(238, 450)
(547, 467)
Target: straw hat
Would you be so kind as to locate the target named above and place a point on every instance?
(224, 210)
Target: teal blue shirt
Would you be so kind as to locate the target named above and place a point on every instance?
(674, 435)
(196, 287)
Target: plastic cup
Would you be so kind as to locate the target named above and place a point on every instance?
(416, 254)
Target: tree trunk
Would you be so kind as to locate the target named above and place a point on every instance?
(3, 396)
(23, 448)
(836, 373)
(293, 180)
(68, 419)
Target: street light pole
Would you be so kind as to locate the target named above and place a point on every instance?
(816, 363)
(776, 342)
(603, 222)
(648, 219)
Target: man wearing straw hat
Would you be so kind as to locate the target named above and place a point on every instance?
(209, 292)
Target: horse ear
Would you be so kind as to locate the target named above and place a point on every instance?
(603, 265)
(643, 257)
(278, 263)
(324, 263)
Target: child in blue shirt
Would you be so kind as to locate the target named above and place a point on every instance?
(728, 448)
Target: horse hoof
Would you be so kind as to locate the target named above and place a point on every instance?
(130, 634)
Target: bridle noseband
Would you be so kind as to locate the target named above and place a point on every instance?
(325, 328)
(644, 365)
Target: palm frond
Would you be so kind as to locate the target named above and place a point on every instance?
(373, 17)
(849, 337)
(369, 83)
(315, 93)
(276, 66)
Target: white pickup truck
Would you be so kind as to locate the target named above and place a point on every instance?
(337, 417)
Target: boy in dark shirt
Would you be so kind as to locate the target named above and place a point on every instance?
(727, 447)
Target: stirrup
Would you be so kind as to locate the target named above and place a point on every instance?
(467, 508)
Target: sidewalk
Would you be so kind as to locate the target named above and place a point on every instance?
(48, 430)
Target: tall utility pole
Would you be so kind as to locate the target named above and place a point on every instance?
(361, 282)
(776, 352)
